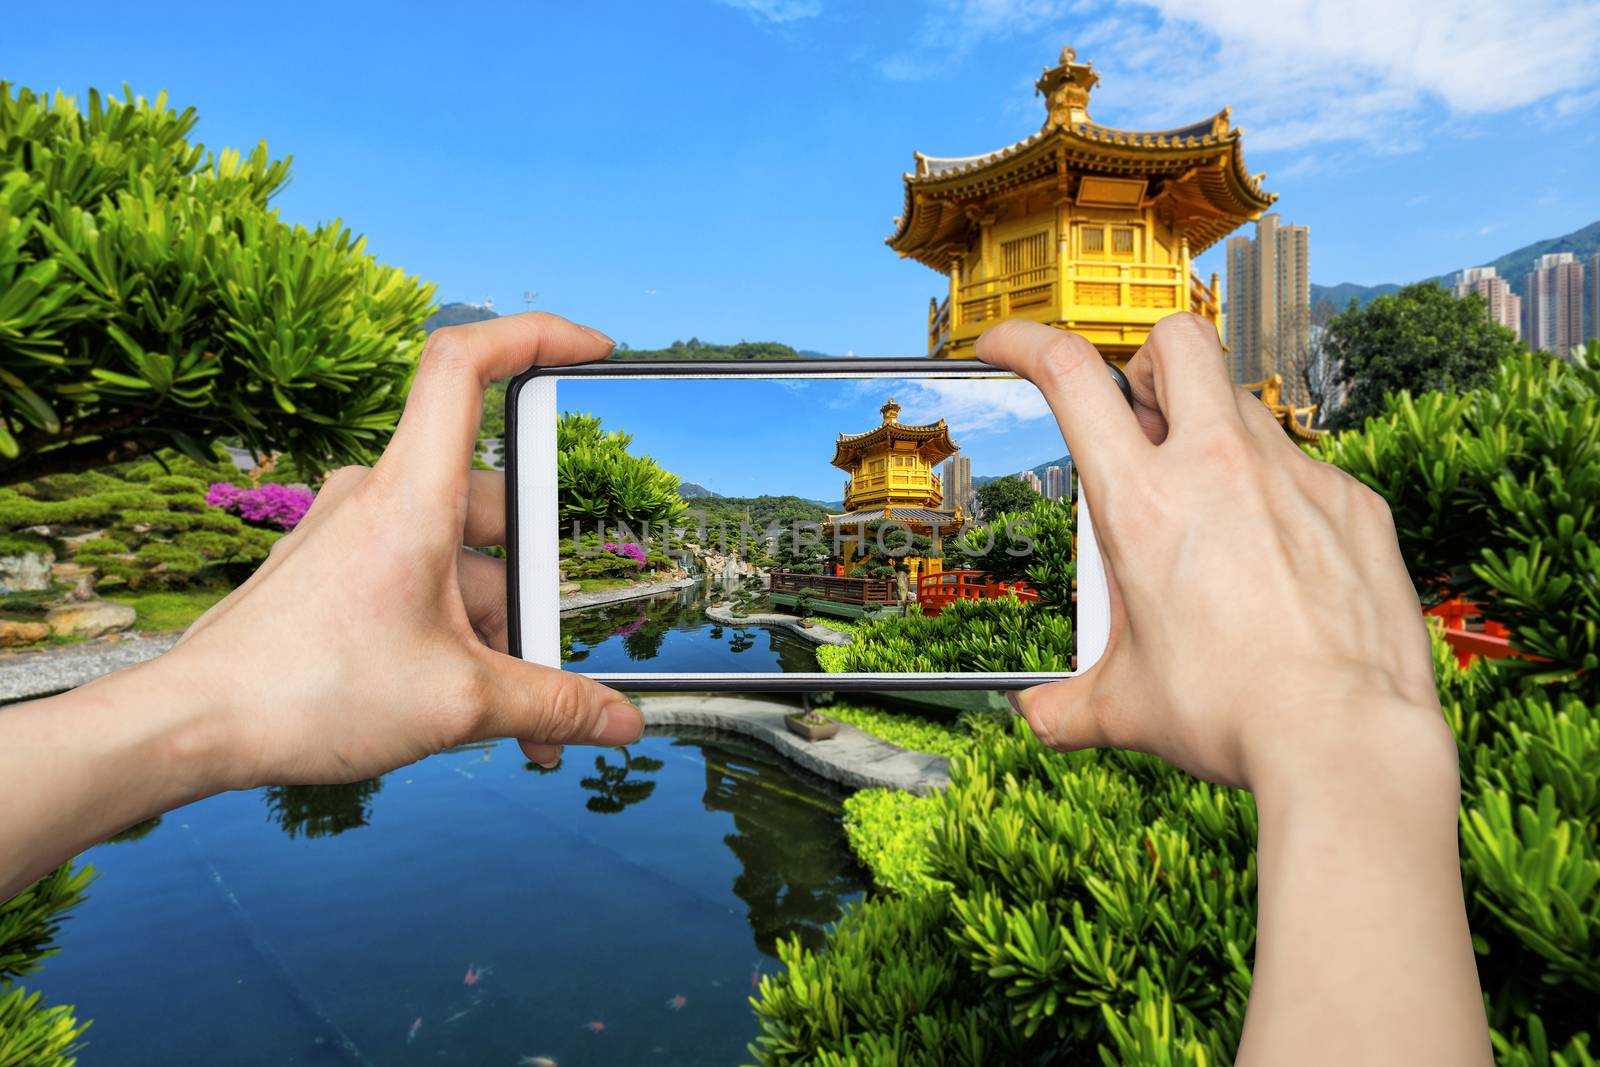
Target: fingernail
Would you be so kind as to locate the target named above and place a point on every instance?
(621, 724)
(552, 765)
(597, 335)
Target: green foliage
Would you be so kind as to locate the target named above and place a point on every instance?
(903, 728)
(598, 481)
(1421, 339)
(1033, 544)
(158, 530)
(969, 635)
(1056, 906)
(1496, 496)
(150, 297)
(171, 610)
(30, 1032)
(1008, 494)
(694, 348)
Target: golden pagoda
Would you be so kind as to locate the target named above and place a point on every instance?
(1081, 226)
(892, 480)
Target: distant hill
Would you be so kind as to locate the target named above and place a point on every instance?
(692, 490)
(1340, 295)
(694, 348)
(457, 315)
(985, 479)
(1513, 267)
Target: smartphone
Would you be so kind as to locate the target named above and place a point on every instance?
(831, 524)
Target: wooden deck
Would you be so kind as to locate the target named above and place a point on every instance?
(845, 598)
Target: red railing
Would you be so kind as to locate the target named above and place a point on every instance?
(934, 591)
(1469, 634)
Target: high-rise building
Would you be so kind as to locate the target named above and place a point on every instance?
(1505, 307)
(957, 483)
(1269, 305)
(1554, 306)
(1594, 297)
(1053, 483)
(1032, 481)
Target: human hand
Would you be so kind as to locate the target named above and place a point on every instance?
(1261, 615)
(371, 637)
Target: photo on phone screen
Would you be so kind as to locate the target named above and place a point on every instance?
(811, 526)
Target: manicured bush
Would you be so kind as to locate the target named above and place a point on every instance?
(153, 298)
(1496, 497)
(902, 728)
(599, 481)
(969, 635)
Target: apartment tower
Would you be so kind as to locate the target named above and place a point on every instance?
(1505, 307)
(957, 484)
(1555, 304)
(1269, 305)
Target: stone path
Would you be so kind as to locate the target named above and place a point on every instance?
(611, 596)
(818, 633)
(25, 675)
(851, 757)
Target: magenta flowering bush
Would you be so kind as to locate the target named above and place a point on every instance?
(282, 506)
(626, 550)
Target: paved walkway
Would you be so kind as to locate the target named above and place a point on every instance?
(818, 633)
(37, 673)
(578, 601)
(850, 757)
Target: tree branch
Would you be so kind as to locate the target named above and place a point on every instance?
(75, 457)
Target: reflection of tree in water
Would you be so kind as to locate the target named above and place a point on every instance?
(642, 626)
(798, 867)
(612, 787)
(321, 810)
(136, 831)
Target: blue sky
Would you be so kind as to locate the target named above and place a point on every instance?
(728, 169)
(750, 437)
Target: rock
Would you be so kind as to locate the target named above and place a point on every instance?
(92, 619)
(13, 633)
(75, 540)
(27, 572)
(68, 572)
(83, 591)
(568, 588)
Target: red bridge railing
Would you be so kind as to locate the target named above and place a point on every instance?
(934, 591)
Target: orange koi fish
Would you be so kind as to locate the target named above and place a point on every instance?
(474, 975)
(596, 1027)
(411, 1034)
(676, 1003)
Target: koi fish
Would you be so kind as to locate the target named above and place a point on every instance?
(676, 1003)
(596, 1027)
(536, 1061)
(474, 975)
(411, 1034)
(755, 975)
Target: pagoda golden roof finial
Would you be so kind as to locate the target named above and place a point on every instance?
(1065, 87)
(890, 412)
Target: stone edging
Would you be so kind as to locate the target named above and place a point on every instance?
(817, 633)
(25, 675)
(851, 757)
(578, 601)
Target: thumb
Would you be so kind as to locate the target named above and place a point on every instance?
(1062, 714)
(543, 706)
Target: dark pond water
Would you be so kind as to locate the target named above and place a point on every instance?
(505, 908)
(670, 632)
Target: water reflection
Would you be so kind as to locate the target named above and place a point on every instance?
(798, 870)
(136, 831)
(613, 789)
(321, 810)
(670, 632)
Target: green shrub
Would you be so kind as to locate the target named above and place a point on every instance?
(30, 1032)
(1034, 544)
(969, 635)
(598, 480)
(903, 728)
(890, 831)
(1496, 496)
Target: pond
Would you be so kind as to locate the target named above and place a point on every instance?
(470, 908)
(670, 633)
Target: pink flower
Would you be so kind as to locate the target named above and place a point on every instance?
(282, 506)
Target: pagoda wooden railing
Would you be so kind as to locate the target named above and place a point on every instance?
(828, 587)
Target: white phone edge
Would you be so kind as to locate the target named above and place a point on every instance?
(537, 539)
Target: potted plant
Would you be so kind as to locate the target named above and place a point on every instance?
(811, 725)
(803, 606)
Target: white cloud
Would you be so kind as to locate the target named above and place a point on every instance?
(1300, 73)
(968, 405)
(777, 10)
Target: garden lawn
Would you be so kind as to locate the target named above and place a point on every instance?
(170, 609)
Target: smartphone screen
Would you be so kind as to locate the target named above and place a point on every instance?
(829, 530)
